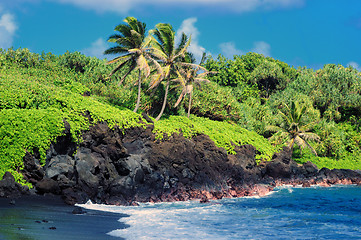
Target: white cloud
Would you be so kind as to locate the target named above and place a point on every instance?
(262, 48)
(120, 6)
(124, 6)
(354, 65)
(7, 30)
(189, 29)
(96, 49)
(228, 49)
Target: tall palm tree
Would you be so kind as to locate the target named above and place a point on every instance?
(164, 50)
(134, 50)
(188, 75)
(294, 128)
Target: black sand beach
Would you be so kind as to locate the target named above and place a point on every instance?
(49, 218)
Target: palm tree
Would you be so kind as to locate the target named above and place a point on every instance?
(188, 75)
(164, 50)
(133, 45)
(294, 128)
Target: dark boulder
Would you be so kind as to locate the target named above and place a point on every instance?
(244, 157)
(60, 164)
(310, 168)
(11, 189)
(47, 185)
(32, 171)
(78, 210)
(281, 166)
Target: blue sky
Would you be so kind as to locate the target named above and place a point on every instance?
(299, 32)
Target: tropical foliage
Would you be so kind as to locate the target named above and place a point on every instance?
(251, 99)
(169, 54)
(132, 44)
(293, 128)
(188, 77)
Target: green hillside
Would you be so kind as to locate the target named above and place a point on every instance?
(251, 100)
(38, 93)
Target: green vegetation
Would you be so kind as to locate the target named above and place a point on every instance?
(133, 45)
(169, 54)
(293, 128)
(33, 104)
(238, 105)
(222, 133)
(189, 76)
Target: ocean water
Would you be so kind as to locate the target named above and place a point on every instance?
(286, 213)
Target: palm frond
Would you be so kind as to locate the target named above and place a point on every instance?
(181, 51)
(131, 68)
(117, 68)
(113, 38)
(309, 136)
(180, 79)
(287, 118)
(307, 127)
(300, 142)
(201, 80)
(166, 36)
(123, 29)
(157, 66)
(159, 54)
(143, 65)
(182, 43)
(273, 128)
(300, 114)
(195, 67)
(147, 41)
(158, 78)
(116, 50)
(137, 38)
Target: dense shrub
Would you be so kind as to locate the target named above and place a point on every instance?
(32, 110)
(335, 90)
(250, 70)
(216, 102)
(222, 133)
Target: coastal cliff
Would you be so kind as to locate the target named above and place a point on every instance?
(125, 167)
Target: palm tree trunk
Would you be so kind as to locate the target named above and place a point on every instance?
(291, 145)
(164, 101)
(139, 91)
(190, 103)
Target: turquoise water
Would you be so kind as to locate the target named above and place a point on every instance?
(287, 213)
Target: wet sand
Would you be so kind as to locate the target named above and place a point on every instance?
(49, 218)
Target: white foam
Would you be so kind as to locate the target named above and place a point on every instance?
(179, 220)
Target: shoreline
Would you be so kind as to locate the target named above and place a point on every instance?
(48, 217)
(117, 168)
(261, 190)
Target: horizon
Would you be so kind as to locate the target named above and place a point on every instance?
(302, 33)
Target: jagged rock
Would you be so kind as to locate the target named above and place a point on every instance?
(278, 169)
(60, 164)
(11, 189)
(32, 171)
(284, 156)
(124, 167)
(78, 210)
(244, 157)
(72, 196)
(87, 167)
(310, 168)
(47, 185)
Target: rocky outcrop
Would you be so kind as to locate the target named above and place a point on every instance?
(11, 189)
(124, 167)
